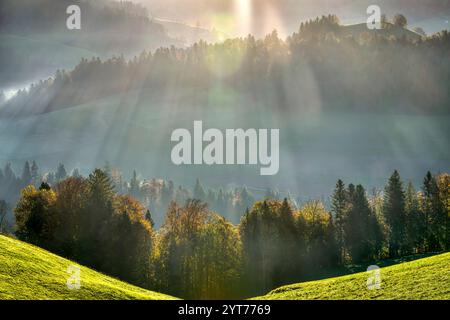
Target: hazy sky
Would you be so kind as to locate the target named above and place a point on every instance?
(261, 16)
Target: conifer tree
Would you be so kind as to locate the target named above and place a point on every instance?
(415, 221)
(35, 173)
(134, 186)
(199, 192)
(26, 174)
(394, 213)
(338, 206)
(61, 173)
(358, 237)
(435, 214)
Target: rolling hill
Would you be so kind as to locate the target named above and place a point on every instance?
(28, 272)
(423, 279)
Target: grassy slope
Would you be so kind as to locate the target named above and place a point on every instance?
(28, 272)
(427, 278)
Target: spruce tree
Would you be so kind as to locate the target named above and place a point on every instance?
(435, 214)
(35, 173)
(26, 174)
(415, 221)
(134, 186)
(338, 206)
(394, 213)
(61, 173)
(357, 223)
(444, 194)
(199, 192)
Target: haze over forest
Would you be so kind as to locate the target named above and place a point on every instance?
(346, 108)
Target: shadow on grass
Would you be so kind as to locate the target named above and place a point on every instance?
(355, 268)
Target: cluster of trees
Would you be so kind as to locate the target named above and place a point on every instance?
(229, 202)
(154, 194)
(197, 253)
(373, 68)
(398, 222)
(11, 183)
(85, 220)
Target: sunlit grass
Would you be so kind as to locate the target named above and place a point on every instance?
(28, 272)
(423, 279)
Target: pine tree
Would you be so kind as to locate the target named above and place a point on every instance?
(444, 194)
(394, 213)
(9, 175)
(95, 227)
(134, 186)
(286, 260)
(415, 221)
(338, 207)
(35, 173)
(358, 237)
(61, 173)
(26, 174)
(435, 214)
(100, 185)
(199, 192)
(246, 200)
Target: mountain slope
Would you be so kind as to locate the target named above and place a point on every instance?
(423, 279)
(28, 272)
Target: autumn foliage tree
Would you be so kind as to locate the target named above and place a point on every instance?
(35, 216)
(83, 219)
(198, 254)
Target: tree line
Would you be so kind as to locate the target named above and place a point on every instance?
(199, 254)
(154, 194)
(278, 73)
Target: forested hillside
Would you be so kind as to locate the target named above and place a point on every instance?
(199, 254)
(320, 66)
(35, 41)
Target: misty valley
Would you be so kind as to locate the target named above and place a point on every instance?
(224, 150)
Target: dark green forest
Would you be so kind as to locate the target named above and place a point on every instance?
(199, 254)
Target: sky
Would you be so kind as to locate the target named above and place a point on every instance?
(259, 17)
